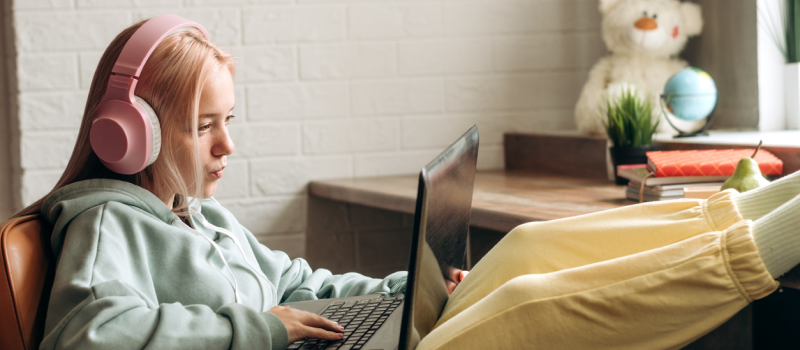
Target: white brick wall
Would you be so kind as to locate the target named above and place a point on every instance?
(324, 88)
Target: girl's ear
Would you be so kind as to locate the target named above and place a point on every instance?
(606, 5)
(692, 18)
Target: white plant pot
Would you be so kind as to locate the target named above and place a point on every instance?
(791, 94)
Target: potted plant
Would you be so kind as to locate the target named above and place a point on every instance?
(630, 124)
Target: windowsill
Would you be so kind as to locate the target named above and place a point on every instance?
(782, 138)
(575, 154)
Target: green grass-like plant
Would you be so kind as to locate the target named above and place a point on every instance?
(629, 120)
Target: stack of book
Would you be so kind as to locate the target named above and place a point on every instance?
(688, 174)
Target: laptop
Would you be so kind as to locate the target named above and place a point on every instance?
(438, 245)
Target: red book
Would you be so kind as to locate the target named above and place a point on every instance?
(715, 162)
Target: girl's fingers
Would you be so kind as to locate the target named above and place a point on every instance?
(453, 275)
(322, 323)
(456, 276)
(319, 333)
(462, 275)
(451, 286)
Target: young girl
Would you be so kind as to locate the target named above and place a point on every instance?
(152, 260)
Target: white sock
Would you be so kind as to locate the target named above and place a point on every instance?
(777, 236)
(756, 203)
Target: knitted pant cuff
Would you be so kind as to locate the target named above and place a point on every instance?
(744, 262)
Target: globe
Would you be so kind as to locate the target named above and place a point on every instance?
(690, 94)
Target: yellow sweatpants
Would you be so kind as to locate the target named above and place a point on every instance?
(651, 276)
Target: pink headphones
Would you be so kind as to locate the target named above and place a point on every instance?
(126, 134)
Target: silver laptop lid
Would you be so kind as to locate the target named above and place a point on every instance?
(439, 240)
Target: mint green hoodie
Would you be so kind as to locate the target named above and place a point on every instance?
(131, 274)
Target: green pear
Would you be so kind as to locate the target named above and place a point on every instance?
(746, 176)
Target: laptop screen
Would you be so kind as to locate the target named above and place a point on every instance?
(441, 228)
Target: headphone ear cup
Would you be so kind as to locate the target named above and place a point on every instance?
(156, 128)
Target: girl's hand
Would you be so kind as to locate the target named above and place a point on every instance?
(456, 276)
(302, 324)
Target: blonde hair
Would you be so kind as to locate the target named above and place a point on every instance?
(171, 81)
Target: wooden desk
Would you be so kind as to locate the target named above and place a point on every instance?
(501, 200)
(359, 208)
(361, 224)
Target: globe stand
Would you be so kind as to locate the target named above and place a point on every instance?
(700, 132)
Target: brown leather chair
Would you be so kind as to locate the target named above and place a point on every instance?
(26, 277)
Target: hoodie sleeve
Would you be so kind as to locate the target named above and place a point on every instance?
(103, 297)
(297, 281)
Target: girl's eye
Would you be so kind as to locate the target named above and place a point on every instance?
(204, 127)
(228, 119)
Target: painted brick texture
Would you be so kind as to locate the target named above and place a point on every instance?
(324, 88)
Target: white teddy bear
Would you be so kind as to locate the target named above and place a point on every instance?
(644, 38)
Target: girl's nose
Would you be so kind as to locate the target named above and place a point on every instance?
(224, 145)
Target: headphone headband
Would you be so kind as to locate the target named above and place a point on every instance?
(145, 39)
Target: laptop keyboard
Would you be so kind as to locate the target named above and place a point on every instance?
(360, 319)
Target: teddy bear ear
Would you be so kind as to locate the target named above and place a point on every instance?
(606, 5)
(692, 18)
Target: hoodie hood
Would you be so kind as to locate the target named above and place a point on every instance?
(70, 201)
